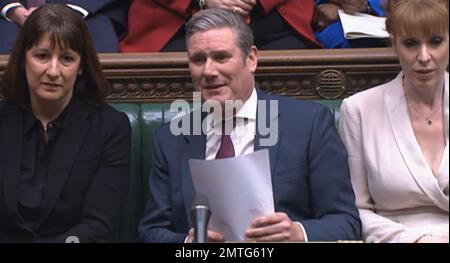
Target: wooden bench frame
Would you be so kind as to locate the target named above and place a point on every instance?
(304, 74)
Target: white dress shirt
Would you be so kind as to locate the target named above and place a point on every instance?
(242, 136)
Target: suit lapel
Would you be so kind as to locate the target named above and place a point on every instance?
(66, 149)
(195, 149)
(11, 156)
(446, 109)
(396, 106)
(442, 177)
(269, 122)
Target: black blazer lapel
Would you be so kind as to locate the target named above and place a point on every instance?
(11, 155)
(269, 122)
(65, 151)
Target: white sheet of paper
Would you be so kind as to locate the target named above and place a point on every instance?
(238, 190)
(360, 25)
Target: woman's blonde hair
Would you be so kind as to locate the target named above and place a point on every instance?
(412, 17)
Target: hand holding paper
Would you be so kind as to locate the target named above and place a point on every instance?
(238, 189)
(273, 228)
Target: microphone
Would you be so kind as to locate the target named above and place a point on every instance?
(200, 214)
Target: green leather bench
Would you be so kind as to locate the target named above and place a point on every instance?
(143, 84)
(144, 119)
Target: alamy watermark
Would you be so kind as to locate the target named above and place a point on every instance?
(267, 124)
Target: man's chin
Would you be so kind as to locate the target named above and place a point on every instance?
(214, 101)
(216, 97)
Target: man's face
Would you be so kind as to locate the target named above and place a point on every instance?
(218, 69)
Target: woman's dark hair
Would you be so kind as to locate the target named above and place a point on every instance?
(66, 29)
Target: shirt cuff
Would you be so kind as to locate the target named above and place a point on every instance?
(7, 8)
(83, 11)
(304, 231)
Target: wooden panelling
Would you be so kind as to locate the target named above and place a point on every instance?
(306, 74)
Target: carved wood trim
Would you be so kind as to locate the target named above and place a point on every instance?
(305, 74)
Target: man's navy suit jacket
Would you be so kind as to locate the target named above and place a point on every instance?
(310, 176)
(107, 21)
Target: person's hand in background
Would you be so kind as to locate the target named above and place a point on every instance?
(325, 14)
(19, 14)
(242, 7)
(353, 6)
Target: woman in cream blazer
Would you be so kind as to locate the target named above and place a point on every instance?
(397, 134)
(398, 197)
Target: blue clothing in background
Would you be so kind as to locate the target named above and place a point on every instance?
(333, 35)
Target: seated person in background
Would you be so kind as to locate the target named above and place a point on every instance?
(158, 25)
(397, 134)
(64, 153)
(328, 28)
(106, 19)
(313, 196)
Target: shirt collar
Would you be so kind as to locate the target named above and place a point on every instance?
(29, 119)
(247, 111)
(59, 122)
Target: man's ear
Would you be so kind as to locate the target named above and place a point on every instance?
(252, 59)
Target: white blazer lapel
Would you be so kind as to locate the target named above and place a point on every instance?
(399, 119)
(443, 176)
(446, 115)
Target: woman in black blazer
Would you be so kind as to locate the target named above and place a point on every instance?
(64, 153)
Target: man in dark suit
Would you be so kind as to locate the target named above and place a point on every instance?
(313, 196)
(106, 19)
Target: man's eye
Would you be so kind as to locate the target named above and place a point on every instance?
(197, 60)
(222, 57)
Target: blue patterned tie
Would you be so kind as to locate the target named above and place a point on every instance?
(35, 3)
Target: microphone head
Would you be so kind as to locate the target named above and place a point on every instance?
(199, 201)
(200, 214)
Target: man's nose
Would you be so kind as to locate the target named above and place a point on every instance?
(210, 70)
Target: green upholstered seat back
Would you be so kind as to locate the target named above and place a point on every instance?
(144, 119)
(134, 203)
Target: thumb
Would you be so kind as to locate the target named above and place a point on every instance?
(30, 11)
